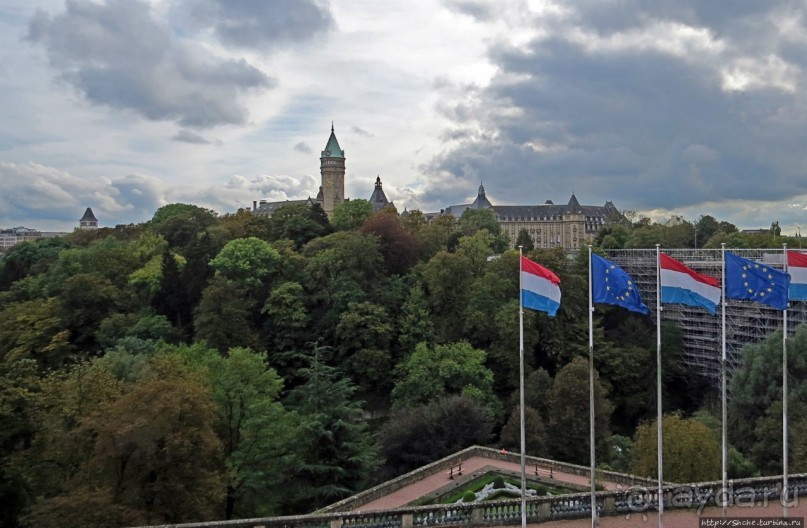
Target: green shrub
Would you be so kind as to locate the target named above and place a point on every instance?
(498, 482)
(469, 496)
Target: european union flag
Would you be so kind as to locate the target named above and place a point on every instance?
(756, 281)
(611, 285)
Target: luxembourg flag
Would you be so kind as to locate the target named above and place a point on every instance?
(797, 268)
(540, 288)
(681, 285)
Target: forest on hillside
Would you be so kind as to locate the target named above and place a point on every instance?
(201, 366)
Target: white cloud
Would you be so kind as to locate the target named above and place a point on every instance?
(654, 105)
(116, 54)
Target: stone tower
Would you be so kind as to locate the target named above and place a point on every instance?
(332, 169)
(88, 221)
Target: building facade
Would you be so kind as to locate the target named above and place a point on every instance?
(568, 226)
(16, 235)
(332, 187)
(746, 322)
(332, 172)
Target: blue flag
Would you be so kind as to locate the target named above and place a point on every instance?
(611, 285)
(756, 281)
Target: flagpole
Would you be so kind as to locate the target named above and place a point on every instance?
(785, 494)
(724, 497)
(521, 389)
(591, 391)
(658, 390)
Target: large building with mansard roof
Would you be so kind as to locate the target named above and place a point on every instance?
(569, 225)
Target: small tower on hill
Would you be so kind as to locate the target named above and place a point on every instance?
(332, 169)
(88, 221)
(378, 198)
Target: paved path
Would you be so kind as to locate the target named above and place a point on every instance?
(470, 468)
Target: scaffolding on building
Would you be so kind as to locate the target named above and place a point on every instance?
(746, 322)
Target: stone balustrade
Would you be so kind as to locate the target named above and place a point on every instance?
(635, 499)
(356, 501)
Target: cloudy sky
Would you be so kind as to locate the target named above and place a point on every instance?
(666, 107)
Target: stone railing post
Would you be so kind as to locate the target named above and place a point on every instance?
(336, 523)
(406, 520)
(476, 516)
(608, 505)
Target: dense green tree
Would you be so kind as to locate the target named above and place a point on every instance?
(223, 318)
(151, 453)
(414, 222)
(436, 234)
(537, 385)
(646, 236)
(503, 351)
(180, 224)
(415, 323)
(19, 383)
(287, 319)
(35, 330)
(727, 227)
(766, 451)
(249, 262)
(569, 413)
(341, 268)
(758, 383)
(524, 240)
(335, 454)
(689, 451)
(142, 325)
(172, 299)
(55, 452)
(419, 435)
(612, 236)
(110, 258)
(705, 228)
(256, 432)
(732, 240)
(363, 335)
(86, 300)
(243, 224)
(30, 258)
(452, 369)
(351, 214)
(535, 434)
(298, 222)
(197, 271)
(681, 235)
(445, 279)
(619, 453)
(399, 249)
(146, 281)
(473, 220)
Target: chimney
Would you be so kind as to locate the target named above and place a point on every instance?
(254, 204)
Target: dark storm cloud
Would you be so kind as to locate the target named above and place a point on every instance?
(740, 18)
(118, 55)
(186, 136)
(303, 147)
(258, 24)
(634, 104)
(475, 9)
